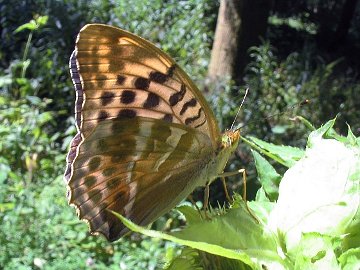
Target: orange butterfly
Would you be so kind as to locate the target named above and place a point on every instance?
(146, 135)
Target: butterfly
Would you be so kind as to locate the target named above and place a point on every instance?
(146, 136)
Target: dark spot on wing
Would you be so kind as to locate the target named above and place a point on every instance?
(95, 195)
(178, 96)
(120, 79)
(127, 97)
(158, 77)
(191, 103)
(103, 115)
(113, 183)
(152, 101)
(142, 83)
(94, 163)
(192, 119)
(126, 113)
(89, 181)
(168, 118)
(109, 171)
(107, 98)
(171, 70)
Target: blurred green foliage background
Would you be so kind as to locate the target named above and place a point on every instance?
(38, 230)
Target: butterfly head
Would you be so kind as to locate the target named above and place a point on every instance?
(227, 146)
(230, 139)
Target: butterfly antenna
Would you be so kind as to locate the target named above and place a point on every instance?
(242, 102)
(287, 109)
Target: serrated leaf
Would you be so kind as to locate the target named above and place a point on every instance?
(351, 138)
(286, 155)
(245, 238)
(210, 248)
(267, 176)
(319, 133)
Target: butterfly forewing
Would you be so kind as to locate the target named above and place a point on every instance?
(125, 75)
(145, 132)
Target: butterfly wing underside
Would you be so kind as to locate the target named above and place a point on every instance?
(132, 167)
(145, 132)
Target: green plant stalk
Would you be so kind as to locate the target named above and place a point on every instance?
(26, 52)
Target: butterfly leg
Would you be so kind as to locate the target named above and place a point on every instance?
(225, 189)
(227, 174)
(243, 172)
(206, 200)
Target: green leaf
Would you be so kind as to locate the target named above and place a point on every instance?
(351, 138)
(187, 260)
(319, 133)
(261, 195)
(5, 80)
(245, 239)
(34, 100)
(279, 129)
(350, 259)
(6, 207)
(22, 81)
(30, 26)
(41, 20)
(261, 210)
(4, 169)
(45, 117)
(306, 123)
(286, 155)
(36, 132)
(210, 248)
(267, 176)
(33, 24)
(191, 214)
(315, 251)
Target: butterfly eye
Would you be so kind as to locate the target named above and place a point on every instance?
(225, 141)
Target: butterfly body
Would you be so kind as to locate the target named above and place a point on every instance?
(146, 135)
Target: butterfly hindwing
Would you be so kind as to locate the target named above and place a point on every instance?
(127, 165)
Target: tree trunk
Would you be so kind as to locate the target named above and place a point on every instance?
(239, 26)
(225, 45)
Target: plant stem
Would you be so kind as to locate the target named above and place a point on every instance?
(26, 51)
